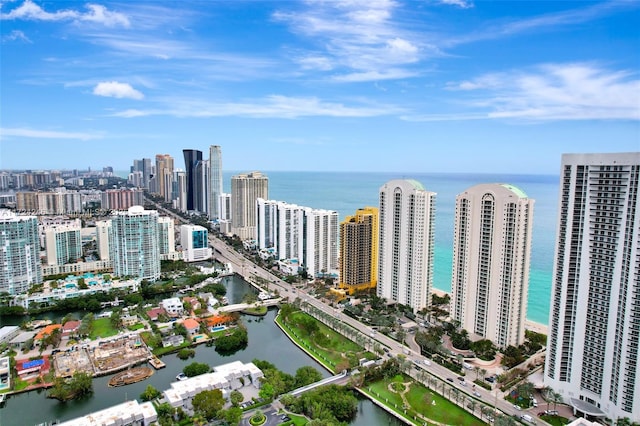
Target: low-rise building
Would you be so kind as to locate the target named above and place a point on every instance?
(5, 374)
(174, 340)
(227, 377)
(192, 326)
(130, 413)
(155, 312)
(8, 332)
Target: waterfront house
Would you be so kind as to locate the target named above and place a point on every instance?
(174, 340)
(155, 312)
(192, 326)
(70, 328)
(173, 306)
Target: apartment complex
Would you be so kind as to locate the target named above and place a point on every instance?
(491, 261)
(63, 243)
(135, 247)
(164, 176)
(305, 236)
(359, 250)
(405, 270)
(593, 345)
(19, 253)
(121, 199)
(246, 188)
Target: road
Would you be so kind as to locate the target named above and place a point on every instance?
(240, 264)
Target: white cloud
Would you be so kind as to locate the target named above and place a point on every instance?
(16, 35)
(460, 3)
(362, 40)
(47, 134)
(550, 92)
(275, 106)
(96, 13)
(114, 89)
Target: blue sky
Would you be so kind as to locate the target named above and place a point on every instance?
(412, 86)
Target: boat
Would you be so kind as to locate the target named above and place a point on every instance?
(132, 375)
(3, 398)
(181, 377)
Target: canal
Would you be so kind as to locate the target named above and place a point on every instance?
(266, 342)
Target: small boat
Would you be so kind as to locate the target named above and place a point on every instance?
(129, 376)
(181, 377)
(3, 398)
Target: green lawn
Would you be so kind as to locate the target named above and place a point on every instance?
(295, 420)
(555, 420)
(333, 347)
(102, 328)
(423, 401)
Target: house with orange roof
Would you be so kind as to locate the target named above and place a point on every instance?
(218, 320)
(192, 326)
(48, 330)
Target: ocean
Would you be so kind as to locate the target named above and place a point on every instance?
(345, 192)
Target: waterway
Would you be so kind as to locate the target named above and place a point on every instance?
(266, 342)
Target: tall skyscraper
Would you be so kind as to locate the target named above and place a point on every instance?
(593, 347)
(19, 252)
(407, 213)
(135, 249)
(180, 190)
(143, 166)
(202, 186)
(359, 250)
(491, 260)
(215, 188)
(191, 158)
(166, 235)
(246, 188)
(164, 176)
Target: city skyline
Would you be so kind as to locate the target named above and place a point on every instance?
(430, 86)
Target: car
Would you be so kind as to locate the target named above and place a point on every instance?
(461, 378)
(517, 407)
(450, 379)
(476, 393)
(542, 413)
(427, 362)
(551, 412)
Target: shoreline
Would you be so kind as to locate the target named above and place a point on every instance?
(531, 325)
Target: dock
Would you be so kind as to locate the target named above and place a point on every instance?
(156, 363)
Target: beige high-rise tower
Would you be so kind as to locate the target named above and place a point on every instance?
(491, 260)
(405, 268)
(246, 188)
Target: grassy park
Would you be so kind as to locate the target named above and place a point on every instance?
(102, 327)
(414, 401)
(334, 350)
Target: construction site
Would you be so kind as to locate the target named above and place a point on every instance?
(106, 357)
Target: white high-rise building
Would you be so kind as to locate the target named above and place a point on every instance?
(179, 196)
(491, 261)
(166, 235)
(407, 213)
(104, 239)
(594, 322)
(195, 243)
(63, 243)
(215, 188)
(19, 252)
(306, 235)
(135, 250)
(246, 188)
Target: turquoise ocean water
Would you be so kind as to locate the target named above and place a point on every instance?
(346, 192)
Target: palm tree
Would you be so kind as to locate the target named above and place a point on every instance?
(472, 405)
(483, 373)
(476, 370)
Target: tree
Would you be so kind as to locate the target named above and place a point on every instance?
(165, 413)
(81, 284)
(195, 369)
(236, 397)
(150, 393)
(208, 403)
(306, 375)
(233, 415)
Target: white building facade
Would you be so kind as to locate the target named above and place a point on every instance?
(491, 261)
(594, 321)
(195, 243)
(166, 235)
(135, 248)
(19, 252)
(63, 243)
(306, 236)
(405, 266)
(215, 188)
